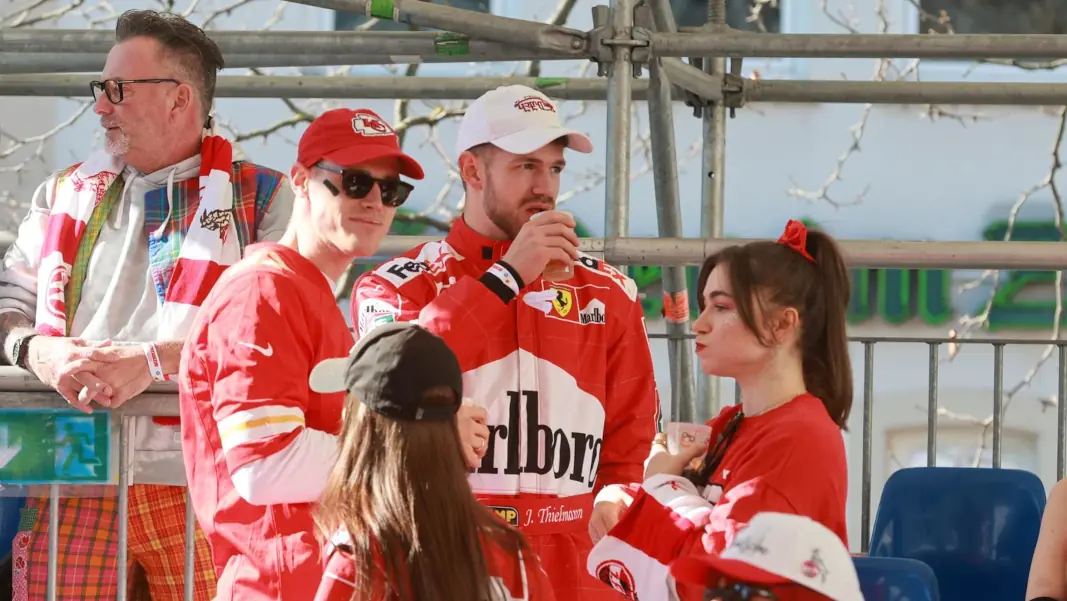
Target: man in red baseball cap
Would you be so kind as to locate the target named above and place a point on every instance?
(258, 443)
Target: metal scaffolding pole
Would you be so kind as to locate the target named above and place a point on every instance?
(713, 186)
(822, 45)
(904, 92)
(620, 103)
(692, 79)
(388, 87)
(582, 88)
(399, 45)
(669, 218)
(76, 62)
(870, 254)
(506, 30)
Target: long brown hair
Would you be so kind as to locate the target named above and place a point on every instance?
(400, 491)
(775, 275)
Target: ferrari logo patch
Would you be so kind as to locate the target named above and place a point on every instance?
(563, 302)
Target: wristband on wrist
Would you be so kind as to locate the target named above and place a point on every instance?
(503, 280)
(506, 275)
(155, 366)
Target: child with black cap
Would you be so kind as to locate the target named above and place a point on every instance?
(401, 517)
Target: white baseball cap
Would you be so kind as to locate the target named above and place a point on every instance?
(517, 119)
(776, 549)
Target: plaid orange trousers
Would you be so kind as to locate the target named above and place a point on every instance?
(88, 547)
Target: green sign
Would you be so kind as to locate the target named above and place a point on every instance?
(54, 447)
(896, 296)
(1025, 299)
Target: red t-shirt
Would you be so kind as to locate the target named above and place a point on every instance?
(790, 460)
(244, 396)
(520, 577)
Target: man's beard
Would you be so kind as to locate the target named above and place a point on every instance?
(511, 223)
(116, 146)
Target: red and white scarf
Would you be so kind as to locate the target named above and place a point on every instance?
(210, 246)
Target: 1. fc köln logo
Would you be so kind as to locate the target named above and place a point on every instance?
(618, 577)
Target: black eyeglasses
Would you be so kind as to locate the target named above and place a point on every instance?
(357, 184)
(739, 592)
(112, 88)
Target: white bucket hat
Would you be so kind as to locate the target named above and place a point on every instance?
(776, 549)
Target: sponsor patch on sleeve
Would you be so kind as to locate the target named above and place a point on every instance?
(401, 270)
(375, 312)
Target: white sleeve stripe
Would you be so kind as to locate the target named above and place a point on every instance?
(260, 429)
(246, 417)
(295, 474)
(680, 495)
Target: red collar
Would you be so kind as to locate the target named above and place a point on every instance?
(472, 246)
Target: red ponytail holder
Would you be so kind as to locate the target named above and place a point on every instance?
(795, 237)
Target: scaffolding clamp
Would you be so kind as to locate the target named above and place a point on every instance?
(733, 87)
(602, 40)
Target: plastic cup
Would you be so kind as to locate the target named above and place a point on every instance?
(557, 271)
(681, 435)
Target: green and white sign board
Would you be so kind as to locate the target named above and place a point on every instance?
(47, 446)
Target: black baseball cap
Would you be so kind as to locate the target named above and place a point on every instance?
(391, 368)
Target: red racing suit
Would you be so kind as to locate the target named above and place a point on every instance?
(563, 369)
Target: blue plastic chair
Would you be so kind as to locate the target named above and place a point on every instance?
(9, 522)
(896, 579)
(975, 527)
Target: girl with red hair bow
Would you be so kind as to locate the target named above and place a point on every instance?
(772, 317)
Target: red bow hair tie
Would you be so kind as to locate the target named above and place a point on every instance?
(795, 237)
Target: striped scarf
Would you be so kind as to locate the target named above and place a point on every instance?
(210, 246)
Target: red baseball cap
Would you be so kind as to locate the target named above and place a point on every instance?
(348, 137)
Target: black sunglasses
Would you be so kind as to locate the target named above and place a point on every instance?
(357, 184)
(113, 88)
(739, 592)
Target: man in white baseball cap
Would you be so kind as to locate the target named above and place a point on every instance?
(778, 556)
(552, 342)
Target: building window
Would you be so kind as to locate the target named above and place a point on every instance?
(957, 446)
(993, 16)
(347, 21)
(747, 15)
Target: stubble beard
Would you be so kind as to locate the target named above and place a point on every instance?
(116, 145)
(497, 212)
(509, 224)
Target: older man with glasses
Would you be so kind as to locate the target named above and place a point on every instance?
(104, 280)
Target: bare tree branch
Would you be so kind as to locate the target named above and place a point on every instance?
(822, 194)
(22, 17)
(982, 318)
(883, 69)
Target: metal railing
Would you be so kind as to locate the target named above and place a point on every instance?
(21, 390)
